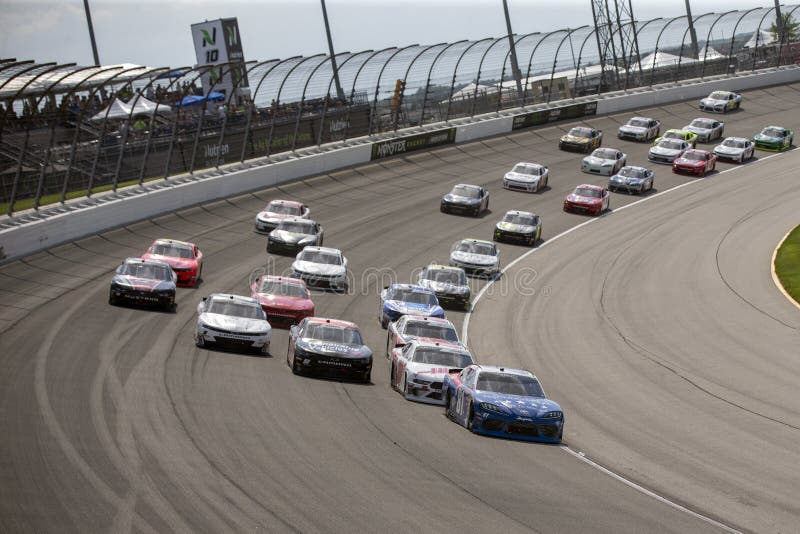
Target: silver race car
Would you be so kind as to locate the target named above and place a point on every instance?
(640, 129)
(321, 266)
(528, 177)
(736, 149)
(632, 179)
(706, 129)
(667, 151)
(604, 161)
(232, 321)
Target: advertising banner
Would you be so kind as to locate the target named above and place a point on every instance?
(402, 145)
(544, 116)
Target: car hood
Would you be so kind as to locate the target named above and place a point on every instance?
(572, 139)
(767, 138)
(310, 267)
(689, 162)
(346, 350)
(458, 199)
(598, 162)
(471, 257)
(289, 237)
(283, 301)
(268, 216)
(175, 263)
(412, 308)
(142, 284)
(444, 287)
(519, 177)
(662, 151)
(721, 149)
(518, 228)
(583, 200)
(519, 405)
(235, 324)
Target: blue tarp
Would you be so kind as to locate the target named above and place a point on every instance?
(193, 100)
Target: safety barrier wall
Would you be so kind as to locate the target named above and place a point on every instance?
(26, 239)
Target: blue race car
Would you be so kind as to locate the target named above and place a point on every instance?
(407, 299)
(502, 402)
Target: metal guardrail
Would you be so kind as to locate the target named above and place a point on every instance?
(53, 146)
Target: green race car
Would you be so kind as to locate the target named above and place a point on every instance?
(774, 138)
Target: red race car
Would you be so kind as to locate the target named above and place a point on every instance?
(587, 198)
(277, 210)
(286, 301)
(697, 162)
(184, 258)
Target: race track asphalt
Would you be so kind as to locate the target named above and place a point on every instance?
(657, 327)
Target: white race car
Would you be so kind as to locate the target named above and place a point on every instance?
(410, 327)
(667, 150)
(232, 321)
(737, 149)
(418, 368)
(706, 129)
(528, 177)
(640, 129)
(721, 102)
(604, 161)
(321, 266)
(476, 256)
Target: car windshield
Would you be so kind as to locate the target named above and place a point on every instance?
(319, 256)
(718, 95)
(297, 227)
(694, 156)
(509, 384)
(440, 356)
(605, 153)
(531, 170)
(446, 276)
(580, 131)
(733, 143)
(431, 330)
(632, 172)
(412, 296)
(333, 333)
(173, 250)
(672, 144)
(702, 123)
(641, 123)
(519, 218)
(473, 247)
(232, 308)
(587, 192)
(283, 209)
(285, 289)
(464, 191)
(147, 270)
(772, 132)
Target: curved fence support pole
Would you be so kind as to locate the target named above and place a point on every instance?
(455, 73)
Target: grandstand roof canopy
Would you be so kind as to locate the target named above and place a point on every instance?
(19, 79)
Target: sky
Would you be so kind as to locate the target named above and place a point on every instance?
(147, 32)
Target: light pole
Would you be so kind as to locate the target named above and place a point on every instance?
(91, 32)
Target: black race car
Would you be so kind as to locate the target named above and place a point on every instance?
(144, 282)
(329, 348)
(467, 199)
(294, 234)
